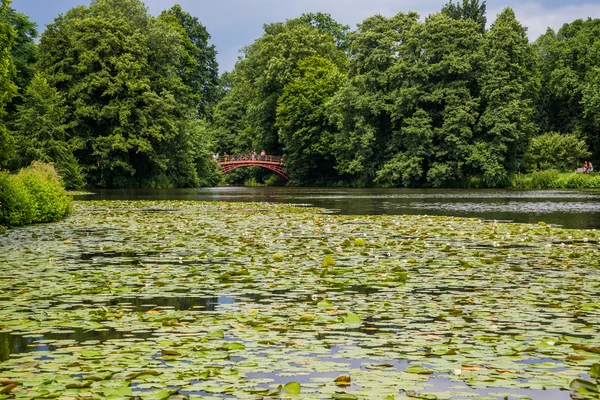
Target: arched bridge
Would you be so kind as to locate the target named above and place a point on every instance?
(272, 163)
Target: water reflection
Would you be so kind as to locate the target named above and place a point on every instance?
(569, 208)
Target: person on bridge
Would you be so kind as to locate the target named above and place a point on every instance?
(263, 155)
(253, 155)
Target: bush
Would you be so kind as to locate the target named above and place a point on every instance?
(16, 205)
(35, 194)
(543, 179)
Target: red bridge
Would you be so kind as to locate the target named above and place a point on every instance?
(272, 163)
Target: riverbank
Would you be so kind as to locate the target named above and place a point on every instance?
(156, 298)
(34, 195)
(556, 180)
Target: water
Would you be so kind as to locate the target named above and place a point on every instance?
(568, 208)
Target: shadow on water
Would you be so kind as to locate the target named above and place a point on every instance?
(568, 208)
(15, 343)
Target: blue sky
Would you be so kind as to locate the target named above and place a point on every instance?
(236, 23)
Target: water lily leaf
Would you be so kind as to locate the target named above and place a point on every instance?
(595, 371)
(352, 318)
(343, 380)
(579, 384)
(214, 335)
(328, 261)
(344, 396)
(326, 304)
(360, 242)
(419, 370)
(292, 387)
(233, 346)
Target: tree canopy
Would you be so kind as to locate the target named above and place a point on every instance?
(117, 97)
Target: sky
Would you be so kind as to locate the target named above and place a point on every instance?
(234, 24)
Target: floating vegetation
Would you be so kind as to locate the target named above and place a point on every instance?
(171, 299)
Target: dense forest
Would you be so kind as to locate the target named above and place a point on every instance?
(116, 97)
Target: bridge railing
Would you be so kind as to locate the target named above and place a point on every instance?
(248, 157)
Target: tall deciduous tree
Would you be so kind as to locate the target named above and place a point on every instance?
(451, 58)
(24, 48)
(8, 88)
(468, 9)
(40, 130)
(507, 90)
(198, 65)
(302, 118)
(363, 109)
(119, 70)
(270, 63)
(570, 65)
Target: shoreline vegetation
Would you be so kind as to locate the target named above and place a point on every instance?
(34, 195)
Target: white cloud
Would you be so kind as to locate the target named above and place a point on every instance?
(538, 18)
(234, 24)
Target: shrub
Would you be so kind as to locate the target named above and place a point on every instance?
(543, 179)
(16, 205)
(46, 189)
(35, 194)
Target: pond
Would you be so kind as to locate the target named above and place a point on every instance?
(186, 299)
(568, 208)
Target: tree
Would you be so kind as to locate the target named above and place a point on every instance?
(553, 150)
(326, 24)
(569, 65)
(8, 89)
(40, 130)
(198, 67)
(468, 9)
(364, 110)
(302, 119)
(270, 63)
(451, 60)
(119, 70)
(24, 48)
(507, 90)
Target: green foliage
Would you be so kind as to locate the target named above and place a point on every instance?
(569, 100)
(555, 151)
(125, 76)
(198, 66)
(40, 130)
(543, 179)
(46, 190)
(34, 195)
(468, 9)
(24, 48)
(554, 180)
(16, 205)
(506, 122)
(7, 74)
(303, 123)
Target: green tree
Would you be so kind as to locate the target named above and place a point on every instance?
(507, 90)
(8, 89)
(326, 24)
(569, 65)
(40, 130)
(24, 48)
(451, 60)
(468, 9)
(270, 63)
(198, 67)
(302, 119)
(119, 70)
(367, 110)
(553, 150)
